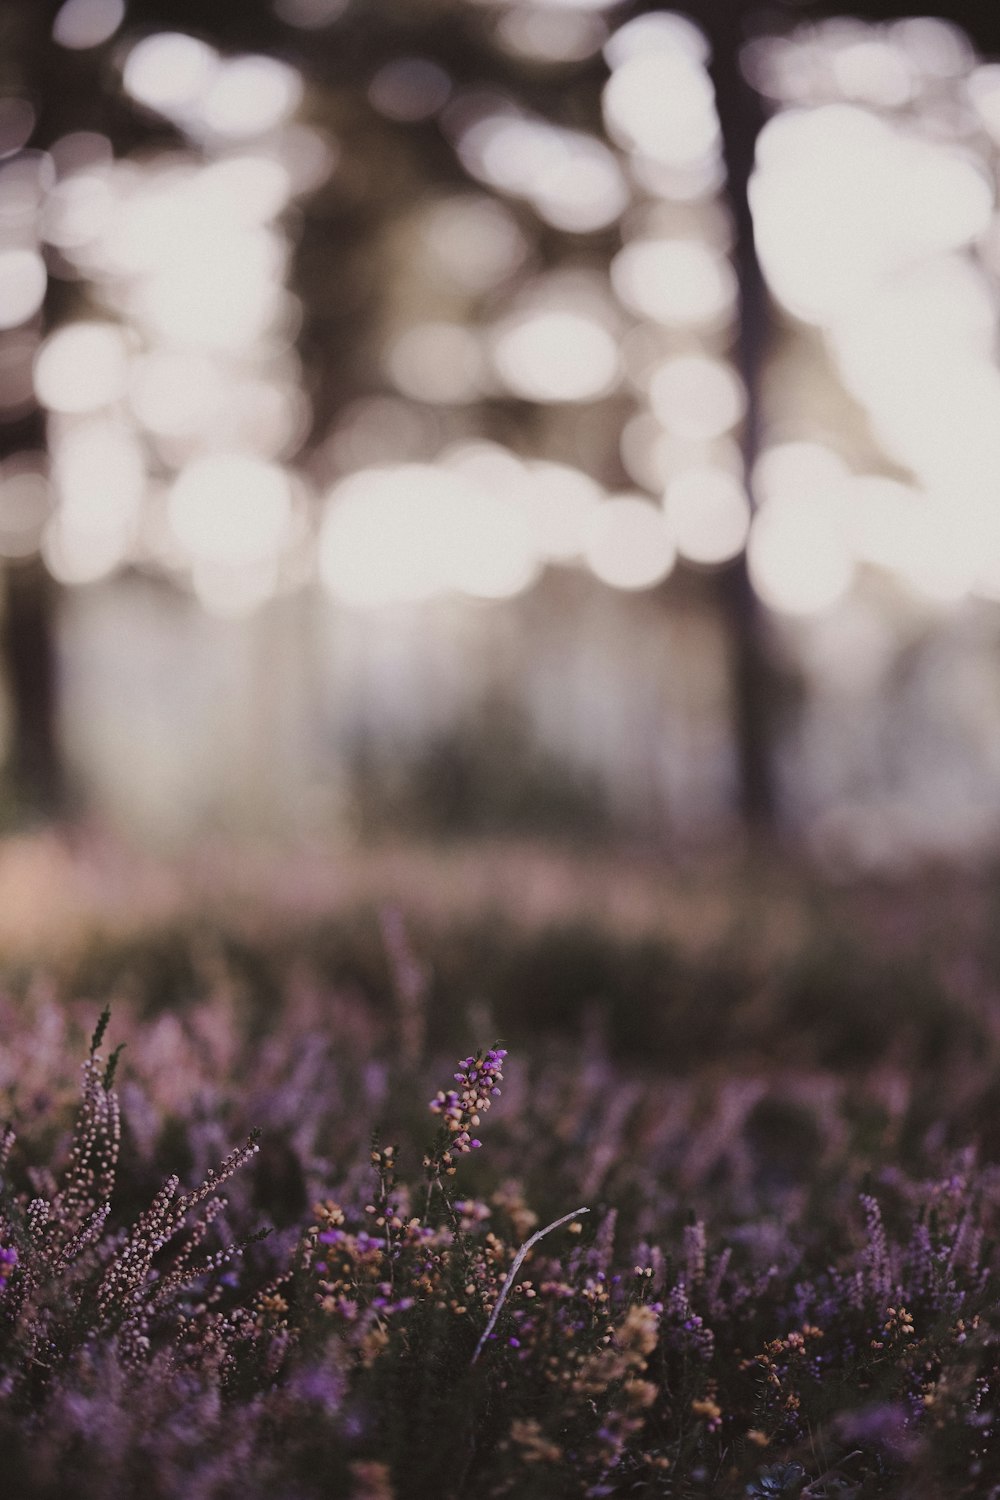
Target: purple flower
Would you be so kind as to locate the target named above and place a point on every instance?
(479, 1084)
(8, 1260)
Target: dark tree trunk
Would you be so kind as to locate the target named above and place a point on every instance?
(29, 659)
(740, 119)
(28, 607)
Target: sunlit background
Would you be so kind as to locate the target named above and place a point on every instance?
(395, 438)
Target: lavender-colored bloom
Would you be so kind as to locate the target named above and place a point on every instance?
(480, 1081)
(886, 1426)
(321, 1385)
(8, 1260)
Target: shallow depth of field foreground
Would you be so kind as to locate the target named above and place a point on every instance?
(378, 1205)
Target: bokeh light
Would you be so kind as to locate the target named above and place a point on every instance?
(248, 96)
(553, 354)
(23, 280)
(471, 242)
(25, 179)
(26, 503)
(78, 209)
(696, 396)
(376, 544)
(842, 200)
(661, 105)
(575, 5)
(82, 367)
(408, 89)
(409, 532)
(797, 554)
(219, 99)
(409, 324)
(170, 71)
(572, 180)
(682, 283)
(984, 94)
(898, 528)
(709, 514)
(559, 503)
(874, 70)
(797, 468)
(81, 24)
(231, 508)
(658, 31)
(99, 476)
(438, 362)
(99, 481)
(78, 555)
(551, 35)
(193, 260)
(175, 393)
(17, 121)
(628, 544)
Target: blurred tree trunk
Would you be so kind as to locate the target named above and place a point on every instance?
(34, 762)
(28, 658)
(740, 117)
(28, 621)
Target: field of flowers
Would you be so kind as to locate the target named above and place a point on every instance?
(682, 1186)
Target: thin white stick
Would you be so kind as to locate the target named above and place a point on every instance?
(509, 1282)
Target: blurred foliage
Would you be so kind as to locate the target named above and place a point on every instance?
(836, 994)
(486, 776)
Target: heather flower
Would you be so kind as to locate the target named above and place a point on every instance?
(884, 1426)
(8, 1260)
(471, 1213)
(535, 1446)
(461, 1109)
(708, 1411)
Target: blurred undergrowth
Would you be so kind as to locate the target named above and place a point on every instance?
(783, 1124)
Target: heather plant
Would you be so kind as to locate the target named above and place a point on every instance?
(67, 1279)
(546, 1276)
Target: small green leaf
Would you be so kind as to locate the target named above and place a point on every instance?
(112, 1066)
(100, 1029)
